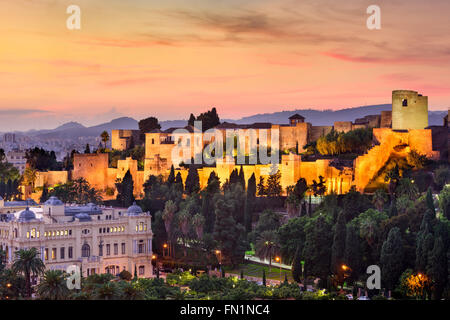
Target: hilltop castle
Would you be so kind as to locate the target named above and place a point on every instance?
(395, 132)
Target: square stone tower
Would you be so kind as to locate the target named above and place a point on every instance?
(409, 110)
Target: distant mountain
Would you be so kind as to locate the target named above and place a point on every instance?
(74, 130)
(70, 125)
(328, 117)
(173, 124)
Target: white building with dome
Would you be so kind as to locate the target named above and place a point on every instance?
(99, 239)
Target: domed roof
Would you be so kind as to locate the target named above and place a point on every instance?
(53, 201)
(134, 210)
(26, 215)
(83, 217)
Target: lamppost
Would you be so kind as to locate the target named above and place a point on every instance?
(278, 260)
(164, 249)
(154, 257)
(345, 269)
(218, 253)
(269, 244)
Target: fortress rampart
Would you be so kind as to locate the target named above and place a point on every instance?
(408, 118)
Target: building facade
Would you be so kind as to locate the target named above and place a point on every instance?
(97, 239)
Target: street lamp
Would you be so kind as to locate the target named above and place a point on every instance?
(344, 269)
(164, 249)
(278, 260)
(218, 253)
(269, 244)
(154, 257)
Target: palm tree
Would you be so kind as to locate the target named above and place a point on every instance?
(184, 217)
(28, 263)
(266, 245)
(107, 291)
(129, 291)
(198, 221)
(53, 286)
(105, 137)
(317, 189)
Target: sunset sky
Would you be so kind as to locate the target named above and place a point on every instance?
(169, 58)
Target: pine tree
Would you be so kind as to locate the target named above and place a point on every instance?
(229, 235)
(391, 258)
(437, 268)
(274, 188)
(338, 248)
(317, 249)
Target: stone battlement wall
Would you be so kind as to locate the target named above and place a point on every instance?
(51, 178)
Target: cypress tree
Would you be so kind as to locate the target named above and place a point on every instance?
(191, 120)
(391, 258)
(192, 184)
(430, 202)
(338, 247)
(44, 195)
(234, 177)
(437, 268)
(125, 189)
(297, 266)
(9, 189)
(424, 241)
(87, 149)
(393, 208)
(264, 277)
(241, 177)
(353, 253)
(249, 202)
(171, 178)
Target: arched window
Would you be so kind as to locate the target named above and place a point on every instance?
(405, 102)
(85, 250)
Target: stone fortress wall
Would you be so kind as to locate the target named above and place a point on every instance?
(409, 123)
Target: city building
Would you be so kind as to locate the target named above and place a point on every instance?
(17, 159)
(95, 238)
